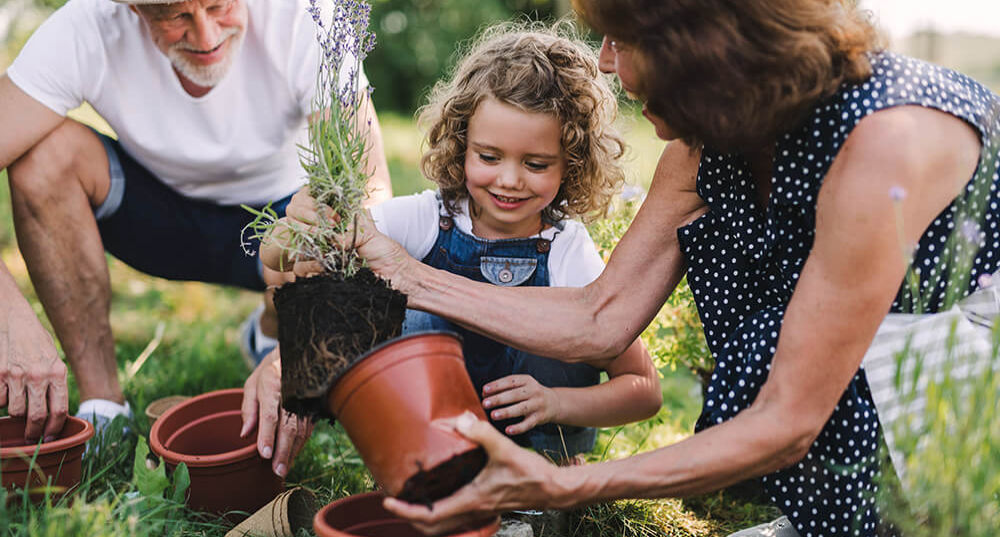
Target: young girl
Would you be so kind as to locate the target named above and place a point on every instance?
(520, 140)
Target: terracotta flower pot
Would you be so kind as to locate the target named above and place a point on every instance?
(226, 472)
(390, 402)
(362, 515)
(58, 460)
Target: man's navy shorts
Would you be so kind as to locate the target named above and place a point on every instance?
(160, 232)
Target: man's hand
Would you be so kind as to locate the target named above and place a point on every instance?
(280, 434)
(32, 376)
(521, 395)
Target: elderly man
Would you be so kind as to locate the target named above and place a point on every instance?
(209, 99)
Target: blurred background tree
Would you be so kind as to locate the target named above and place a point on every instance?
(417, 41)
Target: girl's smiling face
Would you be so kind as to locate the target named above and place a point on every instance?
(514, 164)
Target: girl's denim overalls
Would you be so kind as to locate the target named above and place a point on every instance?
(506, 262)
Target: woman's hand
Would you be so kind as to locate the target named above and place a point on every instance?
(513, 478)
(383, 255)
(521, 395)
(280, 434)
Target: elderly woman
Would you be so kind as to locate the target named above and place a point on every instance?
(808, 171)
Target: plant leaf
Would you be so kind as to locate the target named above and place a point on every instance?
(182, 480)
(151, 482)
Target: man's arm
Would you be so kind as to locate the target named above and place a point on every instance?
(32, 376)
(379, 184)
(28, 121)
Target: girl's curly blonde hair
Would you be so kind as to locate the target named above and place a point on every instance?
(540, 70)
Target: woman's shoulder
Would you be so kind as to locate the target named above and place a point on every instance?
(899, 80)
(900, 92)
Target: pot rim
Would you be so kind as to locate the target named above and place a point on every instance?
(55, 446)
(319, 520)
(218, 459)
(391, 342)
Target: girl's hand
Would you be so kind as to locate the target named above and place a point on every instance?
(513, 478)
(521, 395)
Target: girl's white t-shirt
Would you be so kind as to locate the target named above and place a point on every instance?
(236, 144)
(412, 221)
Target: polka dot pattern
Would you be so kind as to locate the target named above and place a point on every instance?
(744, 263)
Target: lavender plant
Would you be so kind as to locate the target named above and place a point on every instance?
(948, 435)
(335, 159)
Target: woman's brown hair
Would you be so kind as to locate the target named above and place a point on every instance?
(734, 74)
(539, 70)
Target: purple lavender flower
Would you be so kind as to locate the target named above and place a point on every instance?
(971, 231)
(897, 193)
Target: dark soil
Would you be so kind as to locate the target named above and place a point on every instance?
(325, 323)
(429, 485)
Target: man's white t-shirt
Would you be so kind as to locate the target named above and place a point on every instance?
(236, 144)
(412, 221)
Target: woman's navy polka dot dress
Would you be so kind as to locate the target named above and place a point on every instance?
(744, 265)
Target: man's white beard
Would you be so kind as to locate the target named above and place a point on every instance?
(206, 76)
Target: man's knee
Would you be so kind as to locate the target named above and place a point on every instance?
(67, 161)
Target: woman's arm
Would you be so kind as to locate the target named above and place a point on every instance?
(597, 321)
(846, 287)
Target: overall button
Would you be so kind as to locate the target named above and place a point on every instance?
(445, 223)
(507, 271)
(543, 246)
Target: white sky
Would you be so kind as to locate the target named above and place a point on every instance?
(901, 17)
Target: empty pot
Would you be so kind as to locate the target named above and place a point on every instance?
(59, 460)
(226, 472)
(362, 515)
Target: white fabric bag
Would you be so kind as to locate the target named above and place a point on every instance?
(955, 344)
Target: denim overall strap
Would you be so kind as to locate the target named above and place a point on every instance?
(506, 262)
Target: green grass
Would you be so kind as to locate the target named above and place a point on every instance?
(198, 352)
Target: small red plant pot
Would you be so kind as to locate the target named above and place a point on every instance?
(392, 402)
(33, 466)
(362, 515)
(226, 472)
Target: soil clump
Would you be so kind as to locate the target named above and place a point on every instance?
(325, 322)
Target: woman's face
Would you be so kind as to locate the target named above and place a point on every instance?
(617, 57)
